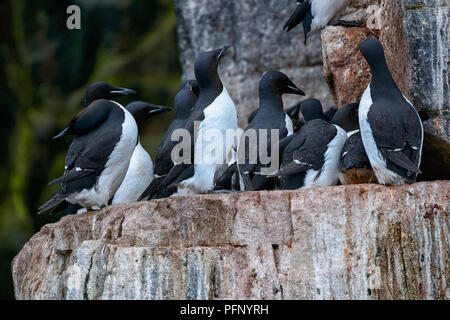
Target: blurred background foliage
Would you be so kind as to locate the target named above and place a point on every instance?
(45, 69)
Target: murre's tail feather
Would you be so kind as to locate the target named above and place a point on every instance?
(53, 202)
(298, 16)
(72, 175)
(151, 189)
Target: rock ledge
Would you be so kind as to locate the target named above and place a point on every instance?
(346, 242)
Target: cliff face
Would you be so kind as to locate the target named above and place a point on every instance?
(347, 242)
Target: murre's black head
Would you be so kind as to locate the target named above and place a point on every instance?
(206, 65)
(191, 85)
(277, 83)
(185, 99)
(142, 111)
(103, 90)
(346, 117)
(312, 109)
(373, 51)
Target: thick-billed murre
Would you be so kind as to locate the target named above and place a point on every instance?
(140, 170)
(98, 158)
(184, 101)
(312, 157)
(270, 115)
(391, 129)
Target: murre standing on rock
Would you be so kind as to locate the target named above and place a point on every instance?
(391, 128)
(312, 157)
(140, 170)
(215, 110)
(270, 115)
(95, 91)
(184, 101)
(316, 14)
(97, 160)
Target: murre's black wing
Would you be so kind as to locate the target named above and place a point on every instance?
(249, 170)
(353, 154)
(224, 178)
(90, 150)
(308, 148)
(163, 159)
(398, 136)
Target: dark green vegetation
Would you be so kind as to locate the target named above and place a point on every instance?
(44, 71)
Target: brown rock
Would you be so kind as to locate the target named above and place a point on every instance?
(345, 70)
(347, 242)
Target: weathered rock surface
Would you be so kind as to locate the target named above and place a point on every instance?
(347, 242)
(345, 70)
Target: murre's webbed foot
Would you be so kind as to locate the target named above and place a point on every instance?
(346, 23)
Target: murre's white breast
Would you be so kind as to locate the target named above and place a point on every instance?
(220, 116)
(138, 177)
(377, 161)
(289, 125)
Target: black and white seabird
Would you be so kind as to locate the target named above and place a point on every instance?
(140, 170)
(95, 91)
(391, 129)
(316, 14)
(312, 157)
(98, 158)
(215, 111)
(270, 115)
(184, 101)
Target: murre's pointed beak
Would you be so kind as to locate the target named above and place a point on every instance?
(223, 51)
(294, 90)
(154, 109)
(61, 134)
(123, 91)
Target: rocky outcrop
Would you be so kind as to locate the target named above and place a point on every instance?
(346, 242)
